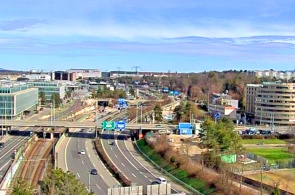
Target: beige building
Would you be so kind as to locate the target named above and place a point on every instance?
(275, 103)
(250, 97)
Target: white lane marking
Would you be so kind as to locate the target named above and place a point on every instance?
(82, 162)
(89, 155)
(4, 165)
(85, 142)
(123, 165)
(101, 176)
(98, 186)
(86, 148)
(133, 175)
(141, 172)
(111, 148)
(78, 175)
(123, 153)
(93, 164)
(116, 155)
(145, 176)
(66, 149)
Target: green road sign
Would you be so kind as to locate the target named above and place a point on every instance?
(108, 125)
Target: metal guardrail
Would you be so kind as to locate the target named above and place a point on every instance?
(167, 173)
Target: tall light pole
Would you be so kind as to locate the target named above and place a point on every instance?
(51, 117)
(141, 114)
(53, 110)
(96, 120)
(137, 113)
(89, 181)
(5, 115)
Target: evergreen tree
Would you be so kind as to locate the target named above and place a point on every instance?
(63, 183)
(22, 188)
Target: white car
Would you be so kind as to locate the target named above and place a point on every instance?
(160, 180)
(82, 152)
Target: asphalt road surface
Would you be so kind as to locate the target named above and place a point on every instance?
(81, 164)
(124, 161)
(13, 143)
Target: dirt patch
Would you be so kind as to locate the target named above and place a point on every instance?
(284, 178)
(177, 143)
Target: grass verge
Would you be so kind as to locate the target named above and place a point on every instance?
(264, 141)
(180, 174)
(272, 154)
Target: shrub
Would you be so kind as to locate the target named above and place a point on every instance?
(172, 159)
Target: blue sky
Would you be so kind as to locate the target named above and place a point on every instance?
(157, 35)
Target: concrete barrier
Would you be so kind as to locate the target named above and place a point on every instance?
(9, 175)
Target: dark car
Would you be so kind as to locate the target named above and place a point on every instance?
(113, 143)
(1, 144)
(93, 172)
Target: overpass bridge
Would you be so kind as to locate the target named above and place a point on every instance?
(77, 124)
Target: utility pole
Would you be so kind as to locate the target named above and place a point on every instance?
(118, 70)
(137, 68)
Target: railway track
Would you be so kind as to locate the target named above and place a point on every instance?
(33, 164)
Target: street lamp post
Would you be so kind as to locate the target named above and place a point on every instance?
(89, 182)
(141, 114)
(51, 114)
(137, 113)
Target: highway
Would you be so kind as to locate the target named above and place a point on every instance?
(13, 143)
(81, 165)
(124, 161)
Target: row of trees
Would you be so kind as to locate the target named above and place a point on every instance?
(107, 93)
(57, 183)
(54, 98)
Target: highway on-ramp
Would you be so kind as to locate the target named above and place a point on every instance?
(81, 164)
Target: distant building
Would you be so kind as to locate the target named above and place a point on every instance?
(85, 73)
(274, 104)
(275, 74)
(251, 97)
(35, 77)
(49, 88)
(223, 105)
(16, 98)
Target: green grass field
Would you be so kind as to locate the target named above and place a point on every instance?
(178, 173)
(265, 141)
(272, 154)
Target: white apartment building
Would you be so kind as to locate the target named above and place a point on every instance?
(251, 97)
(275, 74)
(275, 103)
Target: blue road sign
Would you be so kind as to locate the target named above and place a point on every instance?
(121, 125)
(217, 116)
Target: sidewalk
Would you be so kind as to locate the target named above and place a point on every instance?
(60, 163)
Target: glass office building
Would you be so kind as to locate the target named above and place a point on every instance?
(49, 88)
(15, 98)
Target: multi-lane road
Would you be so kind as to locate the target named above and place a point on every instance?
(12, 143)
(122, 156)
(81, 164)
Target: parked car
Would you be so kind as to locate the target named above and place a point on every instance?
(82, 152)
(93, 172)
